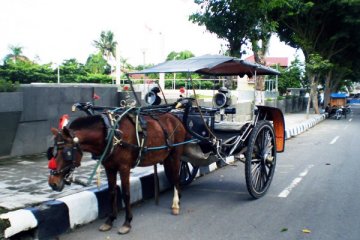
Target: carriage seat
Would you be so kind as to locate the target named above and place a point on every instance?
(228, 126)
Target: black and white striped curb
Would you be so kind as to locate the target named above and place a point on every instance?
(302, 127)
(55, 217)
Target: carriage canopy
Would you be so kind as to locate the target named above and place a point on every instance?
(211, 65)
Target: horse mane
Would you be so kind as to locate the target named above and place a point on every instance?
(85, 122)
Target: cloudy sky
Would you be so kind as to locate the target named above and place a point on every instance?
(146, 31)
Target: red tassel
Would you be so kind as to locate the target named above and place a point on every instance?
(96, 97)
(52, 164)
(63, 121)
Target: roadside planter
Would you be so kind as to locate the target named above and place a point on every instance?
(288, 104)
(295, 104)
(270, 102)
(11, 106)
(281, 104)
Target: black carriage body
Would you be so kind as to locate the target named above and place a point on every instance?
(197, 122)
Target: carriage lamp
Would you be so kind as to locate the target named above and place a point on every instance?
(151, 98)
(222, 98)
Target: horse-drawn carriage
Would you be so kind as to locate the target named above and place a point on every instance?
(181, 135)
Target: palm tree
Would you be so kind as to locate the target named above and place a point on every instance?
(16, 54)
(106, 45)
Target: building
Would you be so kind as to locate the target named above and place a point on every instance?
(245, 85)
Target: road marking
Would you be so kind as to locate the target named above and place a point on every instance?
(334, 140)
(350, 119)
(295, 182)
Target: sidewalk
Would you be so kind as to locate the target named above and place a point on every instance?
(32, 206)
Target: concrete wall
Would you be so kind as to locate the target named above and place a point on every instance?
(289, 105)
(43, 104)
(11, 106)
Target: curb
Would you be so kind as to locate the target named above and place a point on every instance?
(294, 131)
(55, 217)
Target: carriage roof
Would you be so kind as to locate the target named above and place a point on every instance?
(211, 65)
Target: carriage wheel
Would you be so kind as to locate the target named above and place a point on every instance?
(187, 173)
(260, 159)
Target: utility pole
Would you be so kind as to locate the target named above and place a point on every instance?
(58, 73)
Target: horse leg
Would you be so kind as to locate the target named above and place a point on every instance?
(111, 177)
(172, 171)
(125, 190)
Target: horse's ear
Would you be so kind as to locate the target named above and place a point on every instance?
(54, 131)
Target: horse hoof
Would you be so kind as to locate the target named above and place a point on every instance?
(124, 230)
(175, 211)
(105, 227)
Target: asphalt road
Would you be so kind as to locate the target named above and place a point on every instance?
(314, 195)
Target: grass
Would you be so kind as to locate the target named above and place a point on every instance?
(200, 96)
(4, 223)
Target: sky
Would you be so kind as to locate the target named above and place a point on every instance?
(146, 31)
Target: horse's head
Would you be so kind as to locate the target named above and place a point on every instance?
(64, 156)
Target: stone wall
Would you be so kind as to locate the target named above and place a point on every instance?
(11, 106)
(41, 107)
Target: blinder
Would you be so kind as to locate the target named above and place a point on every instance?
(68, 154)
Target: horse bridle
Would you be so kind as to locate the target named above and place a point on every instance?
(68, 154)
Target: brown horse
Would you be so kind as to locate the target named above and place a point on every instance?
(89, 134)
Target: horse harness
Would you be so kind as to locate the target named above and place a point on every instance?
(112, 121)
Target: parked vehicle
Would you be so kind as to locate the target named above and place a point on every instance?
(337, 107)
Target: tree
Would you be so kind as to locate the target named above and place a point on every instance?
(27, 72)
(291, 77)
(97, 64)
(315, 68)
(320, 27)
(179, 55)
(72, 71)
(232, 21)
(15, 55)
(106, 45)
(240, 22)
(185, 54)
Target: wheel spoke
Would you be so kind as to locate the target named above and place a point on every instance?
(255, 175)
(264, 173)
(255, 166)
(261, 172)
(263, 139)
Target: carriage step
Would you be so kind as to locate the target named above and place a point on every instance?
(228, 126)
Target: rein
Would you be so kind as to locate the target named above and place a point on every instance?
(110, 136)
